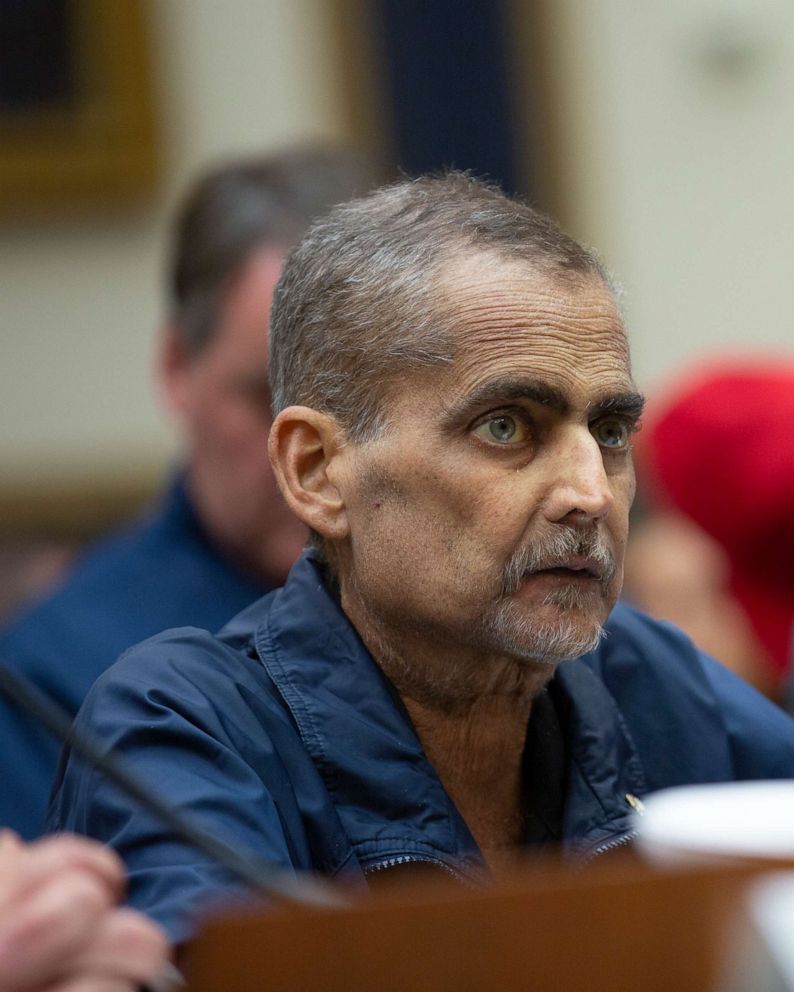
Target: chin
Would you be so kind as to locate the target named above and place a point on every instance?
(547, 636)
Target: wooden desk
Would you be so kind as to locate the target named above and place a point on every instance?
(614, 927)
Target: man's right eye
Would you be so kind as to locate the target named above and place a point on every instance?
(502, 429)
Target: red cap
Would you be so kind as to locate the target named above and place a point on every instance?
(720, 449)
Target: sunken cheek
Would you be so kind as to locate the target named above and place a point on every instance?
(481, 510)
(445, 484)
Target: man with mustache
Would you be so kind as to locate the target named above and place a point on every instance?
(432, 686)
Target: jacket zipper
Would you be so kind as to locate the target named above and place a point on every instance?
(407, 859)
(611, 845)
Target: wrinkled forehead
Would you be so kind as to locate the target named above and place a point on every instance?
(482, 283)
(501, 314)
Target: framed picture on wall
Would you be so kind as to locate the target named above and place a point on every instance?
(77, 120)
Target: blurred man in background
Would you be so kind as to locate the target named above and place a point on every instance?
(222, 535)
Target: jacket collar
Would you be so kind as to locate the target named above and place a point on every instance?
(604, 772)
(391, 802)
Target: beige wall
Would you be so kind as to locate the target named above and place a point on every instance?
(678, 127)
(80, 301)
(677, 124)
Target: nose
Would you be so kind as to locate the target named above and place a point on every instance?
(579, 488)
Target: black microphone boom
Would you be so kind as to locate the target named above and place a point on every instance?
(267, 879)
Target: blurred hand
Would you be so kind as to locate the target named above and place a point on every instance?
(61, 929)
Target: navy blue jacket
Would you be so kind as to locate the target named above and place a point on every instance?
(160, 572)
(282, 736)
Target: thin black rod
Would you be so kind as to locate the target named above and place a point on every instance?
(265, 878)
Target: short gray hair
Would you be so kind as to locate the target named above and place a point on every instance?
(358, 305)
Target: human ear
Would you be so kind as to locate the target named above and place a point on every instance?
(173, 364)
(306, 449)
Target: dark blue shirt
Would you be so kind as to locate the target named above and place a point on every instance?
(161, 572)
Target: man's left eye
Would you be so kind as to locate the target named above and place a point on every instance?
(502, 429)
(612, 433)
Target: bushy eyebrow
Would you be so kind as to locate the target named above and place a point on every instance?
(508, 390)
(624, 404)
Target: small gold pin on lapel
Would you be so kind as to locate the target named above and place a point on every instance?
(636, 804)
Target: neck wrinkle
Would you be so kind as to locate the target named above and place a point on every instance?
(424, 671)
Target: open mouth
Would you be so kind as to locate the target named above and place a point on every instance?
(566, 572)
(577, 566)
(586, 566)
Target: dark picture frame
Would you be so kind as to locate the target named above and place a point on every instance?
(77, 115)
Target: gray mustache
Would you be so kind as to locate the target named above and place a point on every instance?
(554, 552)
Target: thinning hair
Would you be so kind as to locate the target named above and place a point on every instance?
(359, 305)
(239, 206)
